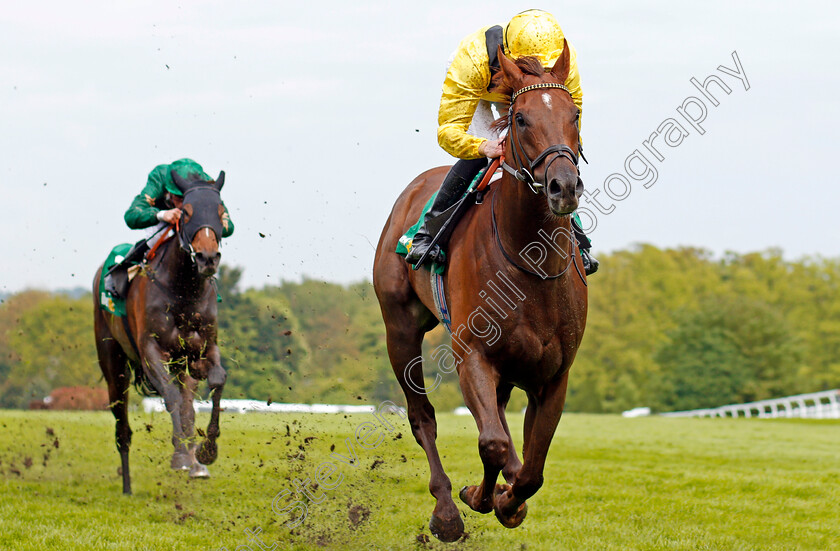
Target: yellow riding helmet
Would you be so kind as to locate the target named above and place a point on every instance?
(534, 33)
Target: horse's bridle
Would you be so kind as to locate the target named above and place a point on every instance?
(525, 172)
(199, 220)
(185, 245)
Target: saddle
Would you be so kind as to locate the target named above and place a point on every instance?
(122, 264)
(442, 226)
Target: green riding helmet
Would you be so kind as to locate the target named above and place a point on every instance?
(188, 170)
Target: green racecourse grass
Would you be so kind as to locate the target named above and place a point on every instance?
(610, 483)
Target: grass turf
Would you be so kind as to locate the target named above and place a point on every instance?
(610, 483)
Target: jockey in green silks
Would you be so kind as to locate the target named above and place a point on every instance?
(155, 208)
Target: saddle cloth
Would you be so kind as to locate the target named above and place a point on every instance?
(404, 243)
(108, 302)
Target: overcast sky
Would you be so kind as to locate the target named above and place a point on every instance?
(321, 112)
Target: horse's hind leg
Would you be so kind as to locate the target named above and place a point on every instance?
(404, 350)
(543, 415)
(113, 362)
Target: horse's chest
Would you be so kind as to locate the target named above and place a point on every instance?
(190, 334)
(531, 348)
(532, 356)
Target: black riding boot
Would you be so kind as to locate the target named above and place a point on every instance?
(590, 263)
(453, 187)
(116, 280)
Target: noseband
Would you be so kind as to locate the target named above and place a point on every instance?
(525, 172)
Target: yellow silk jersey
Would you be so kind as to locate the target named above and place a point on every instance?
(466, 83)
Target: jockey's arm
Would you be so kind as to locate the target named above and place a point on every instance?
(143, 213)
(466, 82)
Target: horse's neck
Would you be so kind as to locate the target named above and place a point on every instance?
(526, 226)
(178, 273)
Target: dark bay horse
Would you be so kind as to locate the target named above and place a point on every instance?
(169, 335)
(526, 333)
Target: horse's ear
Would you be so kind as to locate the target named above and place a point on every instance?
(220, 181)
(561, 66)
(512, 72)
(182, 184)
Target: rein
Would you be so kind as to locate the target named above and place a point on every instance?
(186, 246)
(522, 268)
(176, 227)
(162, 240)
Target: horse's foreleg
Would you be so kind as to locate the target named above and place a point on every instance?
(404, 350)
(208, 450)
(478, 385)
(188, 386)
(188, 392)
(510, 505)
(156, 367)
(513, 464)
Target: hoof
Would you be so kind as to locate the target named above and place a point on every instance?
(206, 452)
(514, 520)
(199, 471)
(467, 495)
(180, 462)
(447, 530)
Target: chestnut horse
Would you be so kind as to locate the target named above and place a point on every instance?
(529, 337)
(169, 333)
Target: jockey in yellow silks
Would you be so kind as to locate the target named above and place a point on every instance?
(465, 116)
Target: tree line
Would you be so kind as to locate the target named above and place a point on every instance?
(667, 328)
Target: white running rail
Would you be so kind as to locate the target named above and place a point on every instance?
(817, 405)
(243, 406)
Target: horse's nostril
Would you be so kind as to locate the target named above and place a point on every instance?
(554, 188)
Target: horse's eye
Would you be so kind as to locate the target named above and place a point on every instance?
(520, 120)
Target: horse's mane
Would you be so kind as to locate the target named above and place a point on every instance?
(500, 85)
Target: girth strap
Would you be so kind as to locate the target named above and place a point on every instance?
(130, 336)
